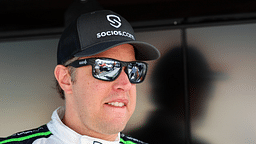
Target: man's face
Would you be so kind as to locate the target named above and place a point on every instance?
(91, 98)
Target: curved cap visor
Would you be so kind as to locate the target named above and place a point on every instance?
(143, 50)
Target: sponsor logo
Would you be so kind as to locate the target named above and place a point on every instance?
(28, 132)
(115, 33)
(114, 20)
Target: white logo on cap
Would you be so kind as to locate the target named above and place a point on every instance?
(114, 20)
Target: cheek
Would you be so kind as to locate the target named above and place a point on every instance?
(91, 96)
(133, 96)
(85, 87)
(91, 91)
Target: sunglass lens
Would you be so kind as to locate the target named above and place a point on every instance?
(137, 72)
(105, 69)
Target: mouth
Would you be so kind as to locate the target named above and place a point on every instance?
(116, 104)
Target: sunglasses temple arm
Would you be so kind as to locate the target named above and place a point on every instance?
(79, 63)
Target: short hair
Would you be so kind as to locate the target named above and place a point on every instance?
(72, 72)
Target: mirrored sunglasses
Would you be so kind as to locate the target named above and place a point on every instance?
(108, 69)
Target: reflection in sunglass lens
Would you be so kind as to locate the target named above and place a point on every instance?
(106, 69)
(136, 72)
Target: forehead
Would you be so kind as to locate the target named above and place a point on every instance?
(124, 52)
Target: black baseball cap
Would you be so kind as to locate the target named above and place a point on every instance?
(98, 31)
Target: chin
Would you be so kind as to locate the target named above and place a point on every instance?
(113, 125)
(114, 129)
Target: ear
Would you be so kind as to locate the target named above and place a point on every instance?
(63, 77)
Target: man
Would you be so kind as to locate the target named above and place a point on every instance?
(97, 104)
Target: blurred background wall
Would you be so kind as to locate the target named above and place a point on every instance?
(27, 96)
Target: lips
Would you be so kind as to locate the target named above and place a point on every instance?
(118, 103)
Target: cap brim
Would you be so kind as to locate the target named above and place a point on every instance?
(143, 51)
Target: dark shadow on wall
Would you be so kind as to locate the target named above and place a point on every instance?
(167, 123)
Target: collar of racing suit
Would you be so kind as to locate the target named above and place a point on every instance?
(67, 135)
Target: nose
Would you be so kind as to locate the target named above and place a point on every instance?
(122, 83)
